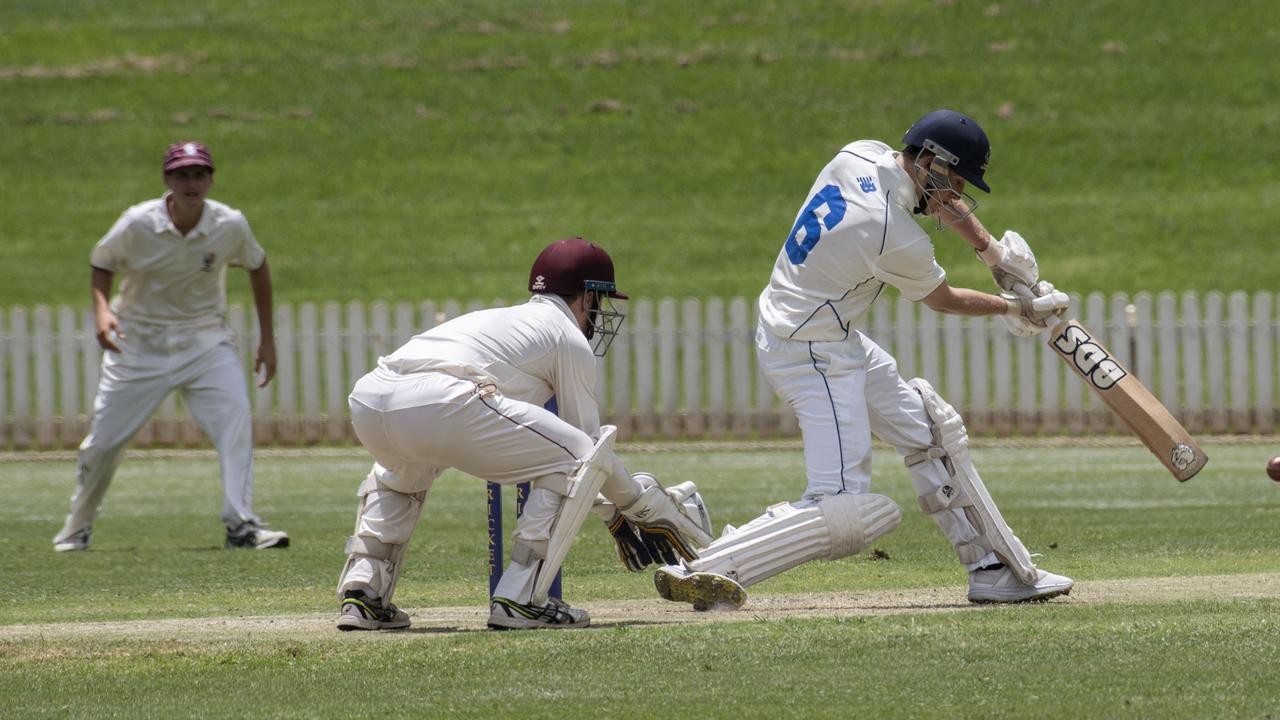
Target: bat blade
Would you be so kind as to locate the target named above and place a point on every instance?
(1129, 399)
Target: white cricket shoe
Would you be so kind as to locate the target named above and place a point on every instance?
(360, 612)
(255, 537)
(78, 540)
(998, 584)
(702, 590)
(507, 614)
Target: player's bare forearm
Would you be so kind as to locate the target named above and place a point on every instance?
(105, 321)
(963, 301)
(265, 363)
(971, 229)
(100, 282)
(260, 282)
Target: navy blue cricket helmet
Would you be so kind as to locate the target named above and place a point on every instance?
(955, 138)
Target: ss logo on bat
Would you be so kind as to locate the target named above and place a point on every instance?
(1089, 357)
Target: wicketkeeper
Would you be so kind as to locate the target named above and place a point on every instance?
(855, 235)
(469, 394)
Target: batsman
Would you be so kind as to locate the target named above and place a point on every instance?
(854, 235)
(469, 394)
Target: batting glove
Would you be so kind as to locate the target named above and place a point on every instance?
(1031, 308)
(1011, 261)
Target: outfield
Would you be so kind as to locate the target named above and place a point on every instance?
(1173, 614)
(414, 149)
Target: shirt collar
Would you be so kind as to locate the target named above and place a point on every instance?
(558, 302)
(901, 188)
(164, 223)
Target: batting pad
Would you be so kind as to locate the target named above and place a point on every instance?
(583, 486)
(788, 535)
(966, 491)
(385, 521)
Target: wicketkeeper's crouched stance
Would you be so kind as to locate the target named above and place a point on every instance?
(469, 394)
(855, 235)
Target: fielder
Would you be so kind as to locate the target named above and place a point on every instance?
(166, 331)
(853, 236)
(469, 394)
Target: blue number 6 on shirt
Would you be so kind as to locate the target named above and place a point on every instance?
(829, 196)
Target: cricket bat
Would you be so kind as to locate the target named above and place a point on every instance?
(1129, 399)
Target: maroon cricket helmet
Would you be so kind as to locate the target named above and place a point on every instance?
(186, 154)
(567, 267)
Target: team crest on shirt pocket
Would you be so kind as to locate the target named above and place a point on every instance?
(867, 184)
(207, 266)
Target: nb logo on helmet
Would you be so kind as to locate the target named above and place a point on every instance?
(539, 283)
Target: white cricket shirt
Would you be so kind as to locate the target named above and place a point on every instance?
(529, 352)
(169, 279)
(855, 234)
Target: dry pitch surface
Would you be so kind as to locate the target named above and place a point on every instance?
(444, 620)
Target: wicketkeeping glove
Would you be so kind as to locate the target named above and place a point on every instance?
(633, 553)
(665, 524)
(639, 547)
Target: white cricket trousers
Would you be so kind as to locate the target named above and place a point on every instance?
(841, 393)
(206, 369)
(418, 425)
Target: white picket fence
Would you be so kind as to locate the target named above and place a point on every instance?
(687, 368)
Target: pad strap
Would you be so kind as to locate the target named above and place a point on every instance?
(558, 484)
(944, 498)
(971, 546)
(527, 553)
(925, 455)
(369, 547)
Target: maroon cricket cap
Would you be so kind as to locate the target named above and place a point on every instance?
(186, 154)
(567, 267)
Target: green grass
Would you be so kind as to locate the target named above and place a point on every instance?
(407, 150)
(1097, 514)
(1192, 660)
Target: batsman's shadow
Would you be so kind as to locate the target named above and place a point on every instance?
(630, 623)
(439, 630)
(461, 630)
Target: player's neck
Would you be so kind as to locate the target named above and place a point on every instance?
(908, 166)
(184, 215)
(579, 309)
